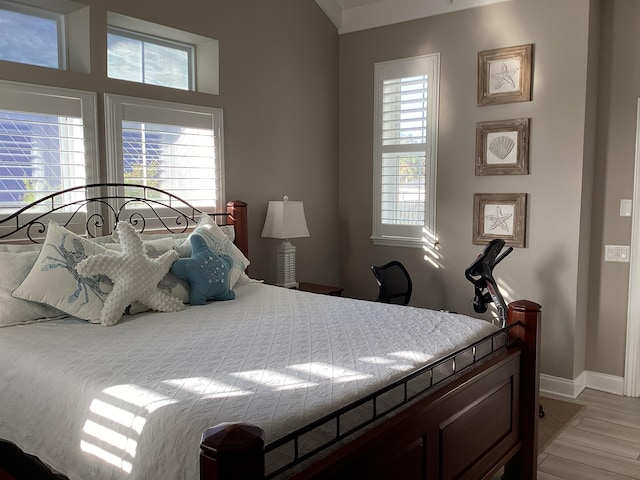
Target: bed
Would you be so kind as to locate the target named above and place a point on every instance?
(275, 383)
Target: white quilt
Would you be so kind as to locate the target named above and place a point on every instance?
(131, 401)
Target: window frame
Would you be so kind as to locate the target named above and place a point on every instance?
(189, 48)
(114, 106)
(58, 17)
(407, 235)
(24, 97)
(206, 68)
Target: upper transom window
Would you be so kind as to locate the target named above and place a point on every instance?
(147, 59)
(31, 35)
(146, 52)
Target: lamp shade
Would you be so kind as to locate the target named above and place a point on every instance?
(285, 219)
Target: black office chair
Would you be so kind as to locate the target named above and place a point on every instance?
(394, 282)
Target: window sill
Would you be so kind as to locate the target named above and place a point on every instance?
(400, 242)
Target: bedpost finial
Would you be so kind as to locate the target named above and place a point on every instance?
(233, 450)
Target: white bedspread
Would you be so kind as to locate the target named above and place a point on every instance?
(131, 401)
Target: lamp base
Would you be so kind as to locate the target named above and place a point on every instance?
(286, 266)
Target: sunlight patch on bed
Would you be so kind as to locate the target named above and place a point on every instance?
(118, 415)
(109, 445)
(331, 372)
(275, 380)
(377, 360)
(140, 397)
(388, 363)
(108, 457)
(412, 356)
(106, 435)
(206, 387)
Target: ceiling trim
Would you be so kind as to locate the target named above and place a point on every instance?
(376, 13)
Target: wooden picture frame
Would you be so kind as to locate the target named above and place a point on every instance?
(502, 147)
(505, 75)
(499, 215)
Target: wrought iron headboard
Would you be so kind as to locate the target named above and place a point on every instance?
(99, 207)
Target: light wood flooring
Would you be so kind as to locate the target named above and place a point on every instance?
(601, 442)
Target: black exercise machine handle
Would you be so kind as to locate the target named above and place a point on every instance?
(480, 273)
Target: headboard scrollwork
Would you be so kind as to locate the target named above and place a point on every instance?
(94, 210)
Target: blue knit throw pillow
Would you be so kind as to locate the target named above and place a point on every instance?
(206, 272)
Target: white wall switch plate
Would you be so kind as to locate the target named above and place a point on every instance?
(625, 208)
(616, 253)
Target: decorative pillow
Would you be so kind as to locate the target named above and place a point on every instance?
(54, 281)
(206, 272)
(134, 274)
(176, 238)
(229, 231)
(171, 283)
(217, 241)
(15, 266)
(28, 247)
(246, 279)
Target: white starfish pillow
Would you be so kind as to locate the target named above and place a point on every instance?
(134, 275)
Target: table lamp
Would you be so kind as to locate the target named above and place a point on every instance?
(285, 220)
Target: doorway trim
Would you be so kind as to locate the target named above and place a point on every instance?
(632, 355)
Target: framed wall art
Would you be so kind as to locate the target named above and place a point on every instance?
(505, 75)
(502, 148)
(499, 215)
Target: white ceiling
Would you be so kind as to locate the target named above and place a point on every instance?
(354, 15)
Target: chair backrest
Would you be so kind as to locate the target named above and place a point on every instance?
(394, 282)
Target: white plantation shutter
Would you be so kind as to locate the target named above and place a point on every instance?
(406, 113)
(47, 142)
(174, 147)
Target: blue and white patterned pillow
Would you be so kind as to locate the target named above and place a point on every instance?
(15, 266)
(53, 279)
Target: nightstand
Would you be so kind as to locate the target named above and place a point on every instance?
(322, 289)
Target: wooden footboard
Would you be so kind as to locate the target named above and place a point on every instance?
(468, 427)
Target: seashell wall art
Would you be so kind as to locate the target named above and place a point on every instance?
(502, 147)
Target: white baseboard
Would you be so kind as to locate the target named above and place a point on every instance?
(572, 388)
(605, 383)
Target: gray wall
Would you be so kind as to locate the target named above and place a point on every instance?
(548, 269)
(619, 89)
(279, 92)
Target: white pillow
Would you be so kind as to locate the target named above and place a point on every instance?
(178, 238)
(14, 311)
(53, 280)
(229, 231)
(218, 241)
(246, 279)
(27, 247)
(154, 236)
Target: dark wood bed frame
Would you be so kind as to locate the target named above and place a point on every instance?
(480, 418)
(469, 427)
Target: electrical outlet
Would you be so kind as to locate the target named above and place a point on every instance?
(616, 253)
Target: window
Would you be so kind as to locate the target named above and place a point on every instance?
(46, 33)
(141, 51)
(47, 144)
(174, 147)
(406, 127)
(31, 35)
(147, 59)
